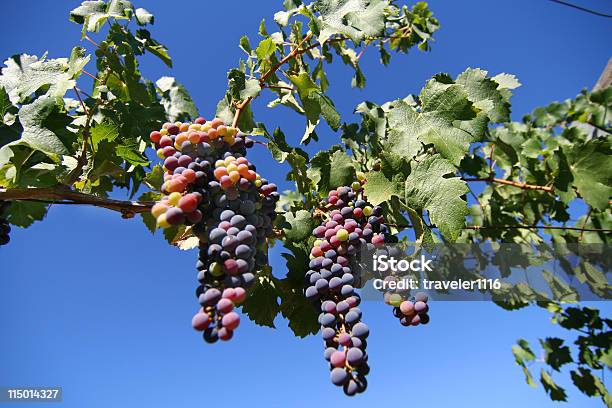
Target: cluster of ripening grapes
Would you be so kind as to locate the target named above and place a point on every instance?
(210, 184)
(5, 228)
(410, 312)
(352, 224)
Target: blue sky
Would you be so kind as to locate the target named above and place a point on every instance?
(98, 305)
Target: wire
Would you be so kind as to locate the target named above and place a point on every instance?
(597, 13)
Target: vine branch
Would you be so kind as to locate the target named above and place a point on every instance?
(549, 227)
(296, 51)
(66, 196)
(518, 184)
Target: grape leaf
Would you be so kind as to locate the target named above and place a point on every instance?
(78, 60)
(25, 74)
(315, 104)
(23, 213)
(251, 89)
(555, 391)
(556, 354)
(427, 188)
(131, 154)
(154, 46)
(103, 131)
(155, 178)
(299, 225)
(447, 119)
(261, 305)
(485, 95)
(32, 118)
(380, 189)
(356, 19)
(93, 14)
(591, 167)
(265, 49)
(7, 113)
(590, 385)
(561, 291)
(402, 140)
(522, 354)
(143, 17)
(176, 100)
(331, 169)
(300, 313)
(506, 81)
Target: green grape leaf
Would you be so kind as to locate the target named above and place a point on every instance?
(485, 95)
(132, 154)
(447, 119)
(153, 46)
(356, 19)
(590, 165)
(245, 44)
(25, 74)
(428, 188)
(8, 116)
(251, 89)
(556, 354)
(261, 305)
(331, 169)
(298, 225)
(594, 278)
(103, 131)
(523, 354)
(380, 189)
(93, 14)
(555, 391)
(589, 384)
(78, 60)
(288, 199)
(315, 104)
(155, 178)
(23, 213)
(143, 17)
(506, 81)
(33, 118)
(147, 218)
(402, 140)
(265, 49)
(300, 312)
(176, 100)
(561, 291)
(342, 171)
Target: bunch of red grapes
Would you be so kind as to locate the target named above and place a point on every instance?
(5, 227)
(412, 311)
(209, 184)
(352, 225)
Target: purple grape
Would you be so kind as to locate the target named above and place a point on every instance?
(339, 376)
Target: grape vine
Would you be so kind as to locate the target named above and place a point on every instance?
(65, 141)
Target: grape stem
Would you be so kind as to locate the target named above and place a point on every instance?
(296, 51)
(65, 196)
(519, 184)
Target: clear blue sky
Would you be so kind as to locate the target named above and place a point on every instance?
(96, 304)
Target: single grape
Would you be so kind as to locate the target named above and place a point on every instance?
(339, 376)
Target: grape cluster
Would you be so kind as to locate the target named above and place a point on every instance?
(352, 224)
(5, 228)
(410, 312)
(210, 185)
